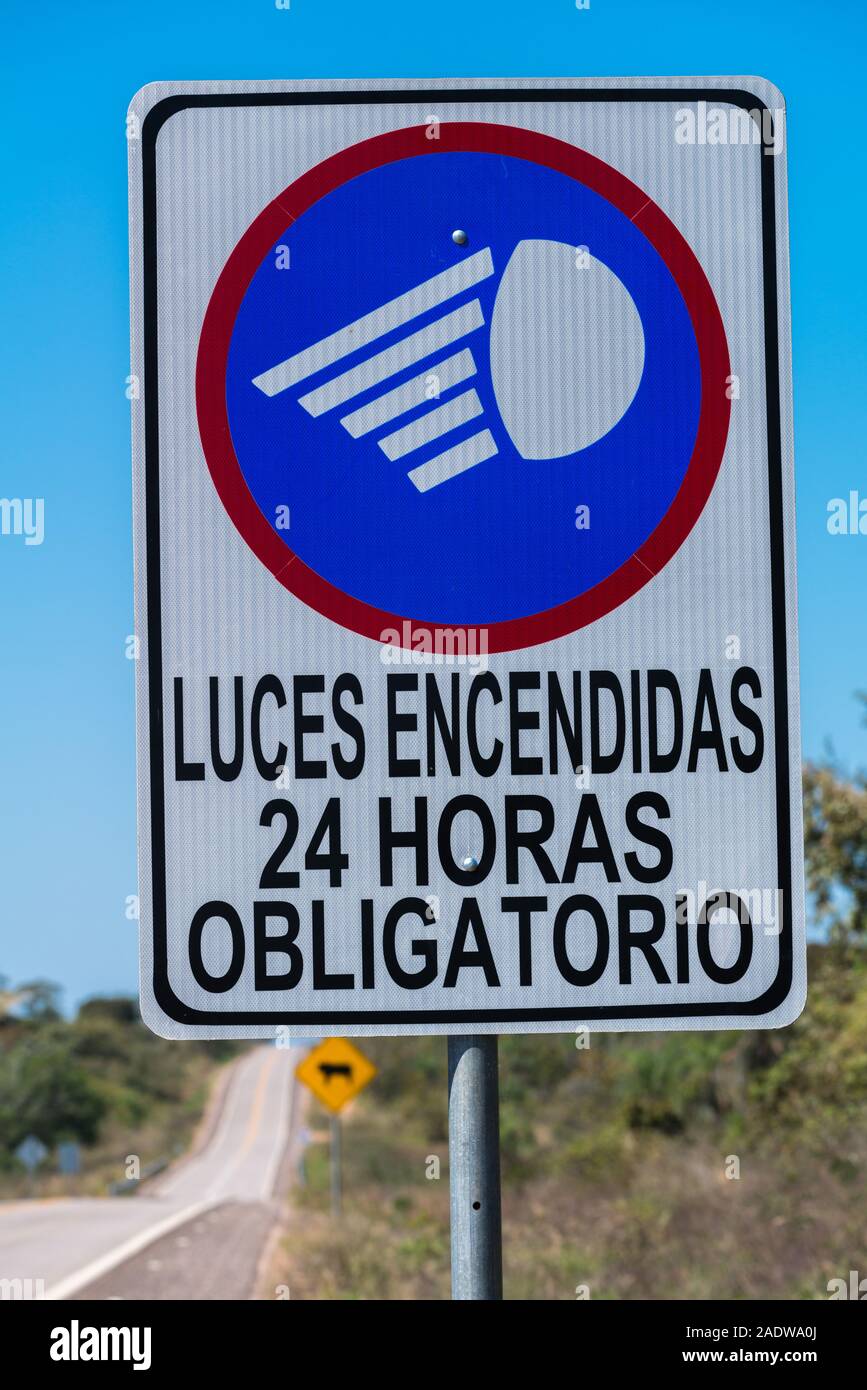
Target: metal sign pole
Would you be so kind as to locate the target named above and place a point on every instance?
(336, 1176)
(474, 1169)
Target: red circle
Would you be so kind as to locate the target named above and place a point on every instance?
(478, 137)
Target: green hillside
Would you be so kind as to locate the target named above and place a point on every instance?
(618, 1163)
(102, 1080)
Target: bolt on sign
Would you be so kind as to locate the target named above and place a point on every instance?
(335, 1072)
(465, 557)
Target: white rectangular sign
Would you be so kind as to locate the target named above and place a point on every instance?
(465, 572)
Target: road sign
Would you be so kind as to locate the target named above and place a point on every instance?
(69, 1158)
(31, 1152)
(335, 1072)
(465, 557)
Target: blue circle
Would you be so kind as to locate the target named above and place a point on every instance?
(499, 541)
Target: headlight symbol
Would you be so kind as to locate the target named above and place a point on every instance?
(566, 358)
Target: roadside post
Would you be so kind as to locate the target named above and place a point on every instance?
(336, 1173)
(335, 1071)
(30, 1154)
(474, 1168)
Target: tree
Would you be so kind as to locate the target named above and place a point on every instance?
(46, 1092)
(835, 847)
(113, 1009)
(40, 1001)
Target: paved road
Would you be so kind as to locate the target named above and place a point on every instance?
(79, 1245)
(214, 1256)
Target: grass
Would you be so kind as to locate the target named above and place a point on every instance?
(709, 1166)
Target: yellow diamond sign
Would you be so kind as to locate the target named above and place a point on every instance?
(335, 1071)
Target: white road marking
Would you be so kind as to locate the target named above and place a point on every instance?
(65, 1288)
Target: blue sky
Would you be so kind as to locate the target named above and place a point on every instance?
(67, 805)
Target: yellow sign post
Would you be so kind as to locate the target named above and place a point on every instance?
(335, 1071)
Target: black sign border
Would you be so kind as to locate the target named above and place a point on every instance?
(164, 995)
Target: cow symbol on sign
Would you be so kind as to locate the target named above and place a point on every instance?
(330, 1069)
